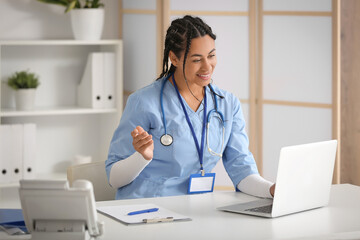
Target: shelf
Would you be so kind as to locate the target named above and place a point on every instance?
(51, 111)
(57, 42)
(44, 176)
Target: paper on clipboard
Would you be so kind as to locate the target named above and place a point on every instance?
(120, 213)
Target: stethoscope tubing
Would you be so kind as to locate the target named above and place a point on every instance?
(162, 104)
(208, 116)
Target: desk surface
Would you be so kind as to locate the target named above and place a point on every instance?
(341, 216)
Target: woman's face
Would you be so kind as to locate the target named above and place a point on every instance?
(201, 61)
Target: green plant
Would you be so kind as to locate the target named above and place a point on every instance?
(23, 80)
(71, 4)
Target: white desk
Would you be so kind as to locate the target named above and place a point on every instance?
(342, 215)
(340, 219)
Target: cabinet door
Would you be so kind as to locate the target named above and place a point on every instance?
(139, 35)
(296, 76)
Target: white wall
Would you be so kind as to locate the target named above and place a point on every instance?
(30, 19)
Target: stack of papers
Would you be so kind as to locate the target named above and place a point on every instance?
(120, 213)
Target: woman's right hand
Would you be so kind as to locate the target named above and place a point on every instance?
(143, 142)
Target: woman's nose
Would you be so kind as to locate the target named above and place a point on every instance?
(206, 65)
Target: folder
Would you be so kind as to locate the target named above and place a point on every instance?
(109, 80)
(29, 155)
(9, 216)
(91, 87)
(11, 152)
(121, 212)
(12, 218)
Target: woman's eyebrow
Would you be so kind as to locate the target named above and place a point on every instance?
(199, 55)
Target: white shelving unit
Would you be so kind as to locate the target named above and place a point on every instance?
(48, 111)
(63, 129)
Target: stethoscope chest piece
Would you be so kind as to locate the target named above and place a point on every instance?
(166, 140)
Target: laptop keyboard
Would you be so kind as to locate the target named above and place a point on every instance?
(264, 209)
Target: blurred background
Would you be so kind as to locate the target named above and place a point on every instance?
(293, 64)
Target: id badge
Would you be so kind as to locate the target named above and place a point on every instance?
(201, 184)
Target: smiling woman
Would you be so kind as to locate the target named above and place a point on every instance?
(199, 69)
(155, 153)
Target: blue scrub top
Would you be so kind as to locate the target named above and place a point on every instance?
(169, 171)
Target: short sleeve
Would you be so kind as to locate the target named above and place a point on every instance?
(237, 158)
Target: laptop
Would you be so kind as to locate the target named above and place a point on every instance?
(303, 182)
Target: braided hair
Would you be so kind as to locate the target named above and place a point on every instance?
(178, 39)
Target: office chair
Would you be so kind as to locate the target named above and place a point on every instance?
(95, 173)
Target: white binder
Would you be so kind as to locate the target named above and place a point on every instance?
(91, 87)
(109, 80)
(29, 156)
(11, 152)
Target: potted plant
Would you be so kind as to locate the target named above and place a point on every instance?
(87, 17)
(25, 84)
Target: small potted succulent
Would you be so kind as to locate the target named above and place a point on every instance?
(25, 84)
(87, 17)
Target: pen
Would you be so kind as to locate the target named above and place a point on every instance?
(143, 211)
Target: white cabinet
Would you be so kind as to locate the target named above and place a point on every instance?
(63, 129)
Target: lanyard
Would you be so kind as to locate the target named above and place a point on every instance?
(200, 150)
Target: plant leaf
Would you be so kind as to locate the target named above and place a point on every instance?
(58, 2)
(23, 79)
(71, 6)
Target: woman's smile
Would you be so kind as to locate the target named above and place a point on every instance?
(204, 77)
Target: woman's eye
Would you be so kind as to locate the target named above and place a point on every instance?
(212, 55)
(196, 60)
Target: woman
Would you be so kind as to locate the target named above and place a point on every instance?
(162, 141)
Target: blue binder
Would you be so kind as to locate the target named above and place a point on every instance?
(10, 218)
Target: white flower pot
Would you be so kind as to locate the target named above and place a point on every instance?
(25, 99)
(88, 23)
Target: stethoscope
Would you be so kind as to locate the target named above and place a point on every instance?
(166, 139)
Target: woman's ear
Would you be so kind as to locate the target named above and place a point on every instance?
(173, 58)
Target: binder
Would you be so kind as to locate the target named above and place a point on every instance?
(109, 80)
(91, 87)
(97, 86)
(29, 155)
(17, 152)
(5, 152)
(10, 215)
(11, 152)
(12, 221)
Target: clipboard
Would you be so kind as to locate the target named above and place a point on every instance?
(120, 213)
